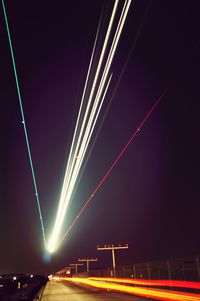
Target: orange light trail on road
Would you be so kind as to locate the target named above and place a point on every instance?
(157, 294)
(170, 283)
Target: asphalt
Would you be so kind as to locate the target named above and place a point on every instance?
(55, 291)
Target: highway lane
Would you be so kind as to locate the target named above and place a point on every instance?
(55, 291)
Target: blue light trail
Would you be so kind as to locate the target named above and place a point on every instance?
(24, 124)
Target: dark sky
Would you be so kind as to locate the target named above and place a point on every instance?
(151, 199)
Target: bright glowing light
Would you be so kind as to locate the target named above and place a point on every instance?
(86, 121)
(72, 173)
(159, 294)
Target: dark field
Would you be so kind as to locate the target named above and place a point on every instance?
(20, 287)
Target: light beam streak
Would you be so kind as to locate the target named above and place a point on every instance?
(93, 107)
(69, 184)
(145, 282)
(114, 44)
(77, 168)
(158, 294)
(113, 165)
(24, 124)
(115, 89)
(80, 160)
(62, 198)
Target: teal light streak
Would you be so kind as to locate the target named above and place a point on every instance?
(24, 124)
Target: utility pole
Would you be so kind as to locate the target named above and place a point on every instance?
(75, 265)
(112, 248)
(87, 260)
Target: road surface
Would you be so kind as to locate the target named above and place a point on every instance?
(55, 291)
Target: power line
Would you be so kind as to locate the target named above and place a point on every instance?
(87, 260)
(76, 265)
(112, 247)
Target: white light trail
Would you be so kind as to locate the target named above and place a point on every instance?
(62, 198)
(87, 119)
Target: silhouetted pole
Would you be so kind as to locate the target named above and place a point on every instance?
(87, 260)
(112, 248)
(75, 265)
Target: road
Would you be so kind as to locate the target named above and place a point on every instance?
(55, 291)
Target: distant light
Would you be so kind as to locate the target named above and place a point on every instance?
(14, 278)
(1, 285)
(68, 272)
(31, 276)
(47, 257)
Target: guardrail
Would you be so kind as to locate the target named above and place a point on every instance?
(38, 296)
(187, 269)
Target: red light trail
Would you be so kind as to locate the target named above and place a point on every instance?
(113, 164)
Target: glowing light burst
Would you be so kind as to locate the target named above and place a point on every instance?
(87, 119)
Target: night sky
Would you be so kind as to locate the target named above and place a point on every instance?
(151, 199)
